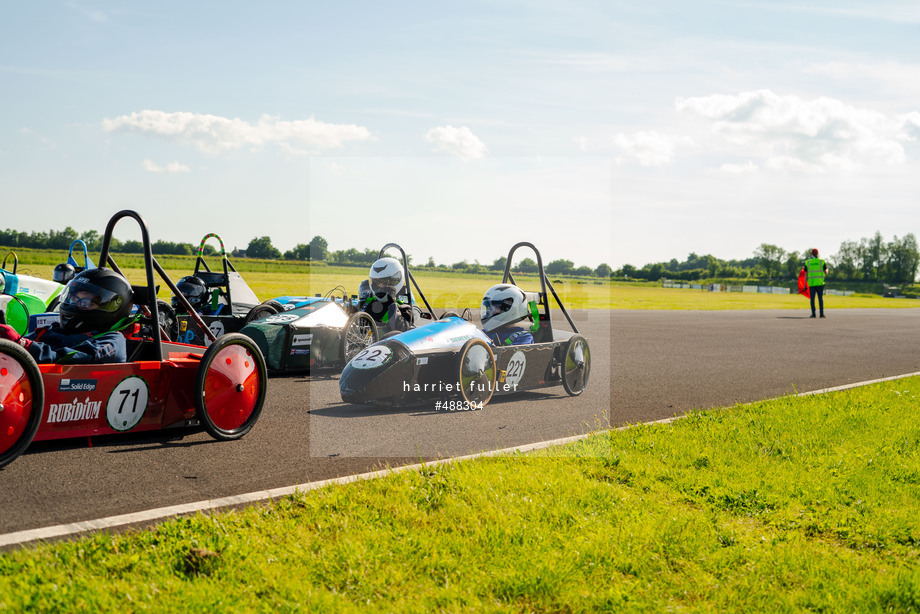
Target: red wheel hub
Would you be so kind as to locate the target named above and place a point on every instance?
(15, 401)
(231, 387)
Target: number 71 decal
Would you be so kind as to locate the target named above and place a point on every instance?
(127, 403)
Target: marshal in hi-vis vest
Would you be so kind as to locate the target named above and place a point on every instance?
(815, 269)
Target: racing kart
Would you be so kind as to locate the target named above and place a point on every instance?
(453, 359)
(325, 331)
(231, 302)
(22, 296)
(163, 384)
(66, 271)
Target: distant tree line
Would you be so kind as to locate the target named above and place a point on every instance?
(317, 250)
(870, 259)
(62, 239)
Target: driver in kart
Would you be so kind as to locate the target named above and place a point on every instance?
(95, 306)
(503, 306)
(195, 291)
(382, 296)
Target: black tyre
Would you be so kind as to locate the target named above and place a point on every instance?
(263, 310)
(476, 372)
(273, 303)
(450, 314)
(576, 365)
(54, 304)
(169, 323)
(360, 332)
(22, 400)
(230, 386)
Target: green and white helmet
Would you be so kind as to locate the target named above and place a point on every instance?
(503, 304)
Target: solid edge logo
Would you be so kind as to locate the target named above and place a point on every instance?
(77, 385)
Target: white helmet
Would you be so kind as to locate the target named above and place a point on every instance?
(387, 278)
(503, 304)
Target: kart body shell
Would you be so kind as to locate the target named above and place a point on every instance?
(22, 296)
(163, 384)
(453, 358)
(311, 332)
(320, 332)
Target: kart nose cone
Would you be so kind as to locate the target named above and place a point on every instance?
(379, 375)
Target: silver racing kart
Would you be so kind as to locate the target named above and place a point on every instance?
(452, 359)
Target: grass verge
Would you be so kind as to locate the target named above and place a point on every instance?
(792, 504)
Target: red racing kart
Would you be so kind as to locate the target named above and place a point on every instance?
(163, 384)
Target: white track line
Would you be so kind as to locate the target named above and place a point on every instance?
(110, 522)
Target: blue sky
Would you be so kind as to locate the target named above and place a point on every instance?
(618, 132)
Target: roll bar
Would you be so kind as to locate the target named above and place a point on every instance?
(408, 276)
(150, 265)
(544, 282)
(15, 262)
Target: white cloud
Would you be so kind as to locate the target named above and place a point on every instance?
(647, 147)
(172, 167)
(460, 142)
(213, 134)
(794, 135)
(912, 125)
(91, 14)
(44, 141)
(747, 167)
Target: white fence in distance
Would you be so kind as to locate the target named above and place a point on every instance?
(758, 289)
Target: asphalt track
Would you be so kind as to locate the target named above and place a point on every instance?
(647, 365)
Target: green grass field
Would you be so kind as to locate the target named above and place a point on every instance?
(456, 291)
(451, 290)
(794, 504)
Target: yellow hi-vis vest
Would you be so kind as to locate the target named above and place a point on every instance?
(815, 271)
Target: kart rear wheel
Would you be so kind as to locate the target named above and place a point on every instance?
(360, 331)
(476, 372)
(169, 323)
(230, 386)
(576, 366)
(22, 399)
(263, 310)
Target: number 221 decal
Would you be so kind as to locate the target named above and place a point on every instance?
(372, 357)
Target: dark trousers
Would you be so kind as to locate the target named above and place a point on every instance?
(819, 292)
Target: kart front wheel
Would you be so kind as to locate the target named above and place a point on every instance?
(273, 303)
(230, 386)
(360, 332)
(476, 372)
(22, 399)
(263, 310)
(576, 367)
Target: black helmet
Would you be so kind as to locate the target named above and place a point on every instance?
(95, 300)
(364, 290)
(63, 273)
(194, 289)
